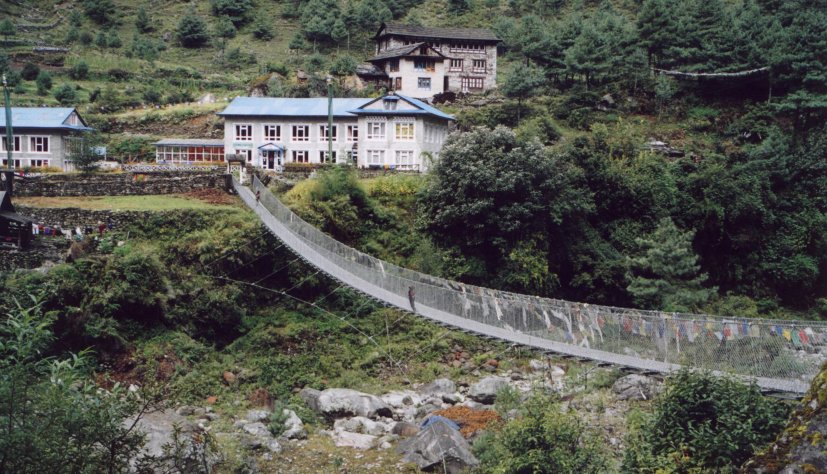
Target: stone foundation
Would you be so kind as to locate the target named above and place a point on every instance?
(118, 184)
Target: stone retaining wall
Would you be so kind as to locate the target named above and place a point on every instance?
(117, 184)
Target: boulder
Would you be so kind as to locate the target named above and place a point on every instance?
(310, 397)
(353, 440)
(229, 378)
(636, 387)
(485, 391)
(257, 415)
(438, 445)
(257, 429)
(293, 426)
(437, 388)
(362, 425)
(401, 399)
(405, 429)
(537, 365)
(340, 402)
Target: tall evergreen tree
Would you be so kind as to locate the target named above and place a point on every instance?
(143, 22)
(589, 55)
(7, 28)
(523, 82)
(666, 275)
(192, 31)
(658, 25)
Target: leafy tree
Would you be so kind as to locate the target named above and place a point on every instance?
(7, 29)
(192, 31)
(84, 154)
(236, 10)
(522, 83)
(343, 65)
(263, 30)
(56, 419)
(65, 94)
(703, 422)
(143, 21)
(100, 11)
(666, 275)
(44, 82)
(542, 440)
(30, 71)
(79, 71)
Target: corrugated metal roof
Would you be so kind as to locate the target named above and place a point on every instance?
(42, 117)
(370, 70)
(400, 29)
(423, 108)
(288, 107)
(190, 142)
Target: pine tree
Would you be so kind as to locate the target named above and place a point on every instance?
(658, 25)
(523, 82)
(192, 31)
(7, 29)
(100, 40)
(340, 32)
(100, 11)
(665, 275)
(318, 18)
(143, 22)
(589, 55)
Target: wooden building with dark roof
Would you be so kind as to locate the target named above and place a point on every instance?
(15, 230)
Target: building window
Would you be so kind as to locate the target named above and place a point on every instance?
(424, 83)
(456, 65)
(39, 145)
(301, 133)
(375, 157)
(404, 131)
(15, 144)
(272, 133)
(404, 159)
(479, 65)
(424, 65)
(323, 133)
(472, 83)
(353, 133)
(397, 83)
(245, 153)
(467, 47)
(323, 157)
(394, 65)
(376, 130)
(39, 163)
(301, 156)
(389, 104)
(243, 133)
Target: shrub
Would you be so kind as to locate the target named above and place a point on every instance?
(118, 75)
(65, 94)
(101, 41)
(79, 71)
(703, 422)
(44, 82)
(276, 423)
(100, 11)
(72, 35)
(114, 41)
(542, 440)
(86, 38)
(263, 30)
(30, 71)
(152, 96)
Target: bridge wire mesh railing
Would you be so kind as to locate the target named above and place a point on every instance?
(775, 349)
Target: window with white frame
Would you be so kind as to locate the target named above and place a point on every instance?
(404, 130)
(424, 65)
(323, 133)
(353, 133)
(479, 65)
(301, 156)
(39, 145)
(301, 133)
(467, 47)
(472, 83)
(404, 159)
(424, 83)
(323, 157)
(39, 163)
(245, 153)
(243, 133)
(376, 130)
(456, 65)
(272, 133)
(15, 144)
(375, 157)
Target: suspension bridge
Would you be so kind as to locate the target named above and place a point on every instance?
(779, 355)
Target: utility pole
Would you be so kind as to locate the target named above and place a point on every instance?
(329, 118)
(9, 135)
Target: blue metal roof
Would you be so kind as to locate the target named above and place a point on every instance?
(43, 117)
(424, 109)
(287, 107)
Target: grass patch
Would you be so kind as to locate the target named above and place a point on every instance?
(162, 202)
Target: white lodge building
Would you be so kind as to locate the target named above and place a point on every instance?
(42, 137)
(420, 61)
(394, 131)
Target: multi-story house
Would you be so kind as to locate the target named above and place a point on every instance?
(424, 61)
(42, 137)
(393, 131)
